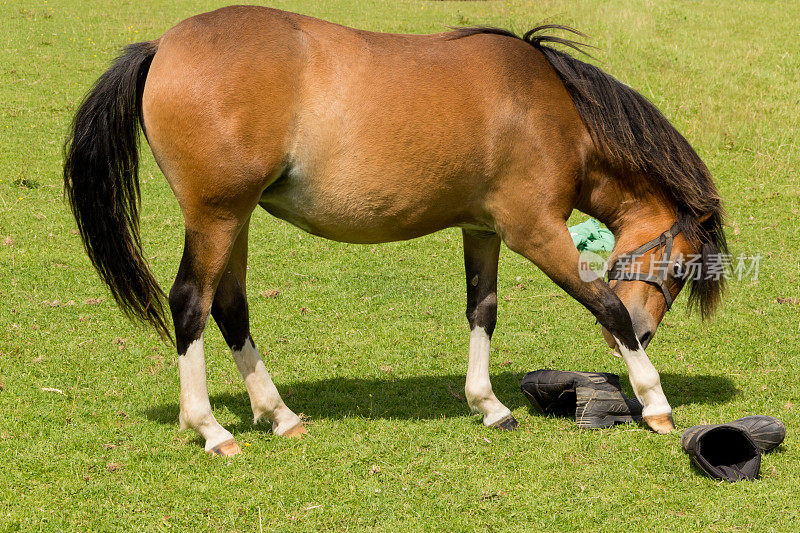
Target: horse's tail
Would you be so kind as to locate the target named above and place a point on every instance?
(101, 184)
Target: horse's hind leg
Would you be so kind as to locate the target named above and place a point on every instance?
(481, 253)
(206, 251)
(230, 311)
(550, 247)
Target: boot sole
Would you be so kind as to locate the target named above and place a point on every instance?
(600, 422)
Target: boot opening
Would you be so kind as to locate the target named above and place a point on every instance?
(566, 406)
(731, 451)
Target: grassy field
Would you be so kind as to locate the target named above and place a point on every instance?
(370, 342)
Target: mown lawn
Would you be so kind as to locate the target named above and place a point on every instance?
(370, 341)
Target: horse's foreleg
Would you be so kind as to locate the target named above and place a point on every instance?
(481, 252)
(230, 311)
(205, 254)
(553, 251)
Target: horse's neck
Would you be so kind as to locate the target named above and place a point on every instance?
(630, 212)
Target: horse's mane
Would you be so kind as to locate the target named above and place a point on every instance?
(634, 136)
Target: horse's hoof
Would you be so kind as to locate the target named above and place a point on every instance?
(226, 449)
(296, 432)
(661, 424)
(508, 423)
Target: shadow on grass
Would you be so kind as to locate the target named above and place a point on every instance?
(684, 389)
(424, 397)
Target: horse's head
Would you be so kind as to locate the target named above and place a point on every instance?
(647, 277)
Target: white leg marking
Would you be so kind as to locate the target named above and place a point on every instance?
(264, 397)
(478, 388)
(645, 381)
(195, 407)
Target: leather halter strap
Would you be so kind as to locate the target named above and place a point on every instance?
(660, 277)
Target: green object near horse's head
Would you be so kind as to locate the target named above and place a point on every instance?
(592, 236)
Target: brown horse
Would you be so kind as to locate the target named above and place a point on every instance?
(365, 138)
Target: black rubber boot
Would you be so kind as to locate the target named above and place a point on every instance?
(723, 451)
(593, 398)
(767, 431)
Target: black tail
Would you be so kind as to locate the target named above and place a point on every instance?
(101, 183)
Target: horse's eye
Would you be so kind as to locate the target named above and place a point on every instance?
(678, 270)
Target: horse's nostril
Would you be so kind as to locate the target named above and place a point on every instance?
(644, 340)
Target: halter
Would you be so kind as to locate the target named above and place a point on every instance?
(659, 279)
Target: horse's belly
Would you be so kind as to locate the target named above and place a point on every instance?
(349, 209)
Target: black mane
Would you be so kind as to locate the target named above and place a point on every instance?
(634, 136)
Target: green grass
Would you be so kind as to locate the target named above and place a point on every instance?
(369, 341)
